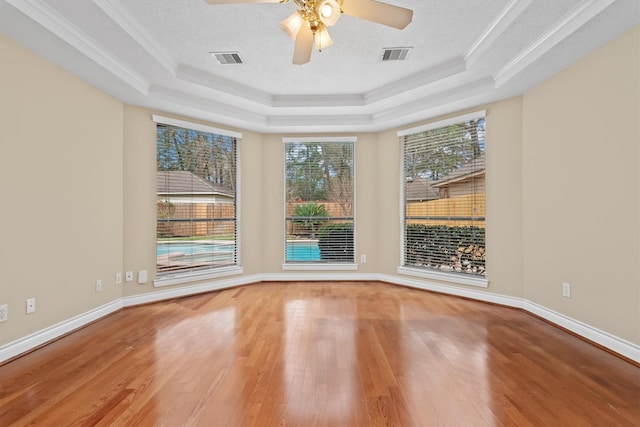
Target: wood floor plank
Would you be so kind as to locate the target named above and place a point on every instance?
(320, 354)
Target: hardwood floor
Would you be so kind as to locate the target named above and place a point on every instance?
(320, 354)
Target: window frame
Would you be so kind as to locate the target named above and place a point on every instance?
(187, 276)
(313, 265)
(454, 278)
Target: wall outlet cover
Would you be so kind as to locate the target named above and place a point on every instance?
(31, 305)
(142, 277)
(566, 290)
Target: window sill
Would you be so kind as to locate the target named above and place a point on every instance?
(321, 267)
(179, 278)
(451, 278)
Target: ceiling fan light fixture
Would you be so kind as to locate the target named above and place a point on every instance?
(308, 25)
(321, 38)
(328, 11)
(292, 24)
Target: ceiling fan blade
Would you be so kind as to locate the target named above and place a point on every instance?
(381, 13)
(304, 45)
(240, 1)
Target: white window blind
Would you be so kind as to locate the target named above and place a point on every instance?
(319, 181)
(196, 199)
(444, 196)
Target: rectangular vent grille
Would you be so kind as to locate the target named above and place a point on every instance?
(227, 58)
(395, 54)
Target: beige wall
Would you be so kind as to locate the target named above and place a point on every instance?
(139, 137)
(580, 189)
(83, 169)
(60, 190)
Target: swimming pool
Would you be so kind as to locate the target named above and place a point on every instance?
(172, 255)
(192, 248)
(302, 251)
(199, 252)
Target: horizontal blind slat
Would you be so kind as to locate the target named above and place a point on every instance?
(319, 187)
(444, 198)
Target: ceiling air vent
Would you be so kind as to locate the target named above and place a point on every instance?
(395, 53)
(227, 58)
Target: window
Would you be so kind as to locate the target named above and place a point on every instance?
(319, 181)
(196, 198)
(444, 196)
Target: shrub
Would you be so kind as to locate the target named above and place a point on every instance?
(335, 242)
(309, 216)
(459, 249)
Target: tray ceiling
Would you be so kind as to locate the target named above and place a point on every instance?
(157, 54)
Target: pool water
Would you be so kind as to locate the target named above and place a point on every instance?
(191, 248)
(303, 251)
(296, 251)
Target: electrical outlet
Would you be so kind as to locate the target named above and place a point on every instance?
(128, 276)
(142, 277)
(566, 290)
(98, 285)
(31, 305)
(363, 259)
(4, 313)
(118, 278)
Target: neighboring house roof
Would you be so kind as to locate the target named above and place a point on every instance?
(468, 170)
(420, 189)
(185, 182)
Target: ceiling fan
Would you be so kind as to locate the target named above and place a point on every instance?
(317, 15)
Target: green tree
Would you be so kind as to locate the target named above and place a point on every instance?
(320, 171)
(206, 155)
(338, 175)
(436, 153)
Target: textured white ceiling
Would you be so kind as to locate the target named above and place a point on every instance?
(155, 53)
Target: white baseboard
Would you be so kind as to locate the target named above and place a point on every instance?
(46, 335)
(318, 277)
(605, 339)
(184, 291)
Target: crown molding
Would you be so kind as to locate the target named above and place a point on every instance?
(50, 19)
(219, 84)
(206, 105)
(572, 21)
(422, 78)
(320, 121)
(495, 29)
(330, 121)
(347, 100)
(134, 28)
(467, 91)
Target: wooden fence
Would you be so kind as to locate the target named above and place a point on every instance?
(195, 219)
(454, 211)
